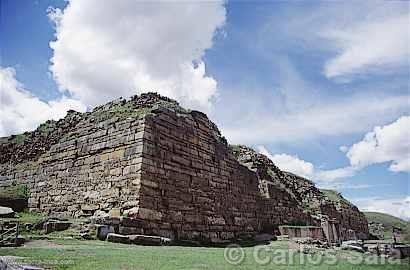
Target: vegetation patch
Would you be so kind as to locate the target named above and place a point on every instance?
(335, 196)
(389, 222)
(15, 191)
(76, 254)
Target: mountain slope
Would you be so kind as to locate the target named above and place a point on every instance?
(388, 222)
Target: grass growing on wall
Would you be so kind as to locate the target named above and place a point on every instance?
(16, 191)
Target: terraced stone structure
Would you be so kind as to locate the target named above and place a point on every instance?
(167, 168)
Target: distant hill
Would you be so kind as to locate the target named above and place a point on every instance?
(388, 222)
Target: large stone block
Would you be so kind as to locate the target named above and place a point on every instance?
(149, 214)
(55, 225)
(118, 238)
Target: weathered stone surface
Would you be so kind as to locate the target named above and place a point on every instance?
(118, 238)
(400, 251)
(353, 245)
(167, 167)
(103, 230)
(312, 232)
(56, 225)
(265, 237)
(149, 240)
(6, 212)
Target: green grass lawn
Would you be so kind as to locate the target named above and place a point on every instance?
(76, 254)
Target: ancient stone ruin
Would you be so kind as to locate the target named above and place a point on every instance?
(168, 170)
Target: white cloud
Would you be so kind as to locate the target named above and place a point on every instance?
(358, 38)
(325, 118)
(289, 163)
(389, 143)
(331, 175)
(344, 148)
(343, 186)
(369, 46)
(103, 51)
(21, 111)
(293, 164)
(399, 207)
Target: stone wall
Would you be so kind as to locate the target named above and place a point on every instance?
(313, 232)
(95, 166)
(193, 187)
(313, 201)
(167, 168)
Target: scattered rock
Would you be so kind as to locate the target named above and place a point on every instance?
(149, 240)
(283, 237)
(353, 245)
(100, 214)
(103, 231)
(138, 239)
(6, 212)
(118, 238)
(400, 251)
(55, 225)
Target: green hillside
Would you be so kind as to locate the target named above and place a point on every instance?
(335, 196)
(388, 222)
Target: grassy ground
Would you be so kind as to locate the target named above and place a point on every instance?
(28, 217)
(75, 254)
(59, 253)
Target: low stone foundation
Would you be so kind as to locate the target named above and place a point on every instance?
(302, 232)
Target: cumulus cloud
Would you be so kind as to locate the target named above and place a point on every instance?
(289, 163)
(293, 164)
(21, 111)
(121, 48)
(398, 207)
(375, 45)
(389, 143)
(326, 117)
(331, 175)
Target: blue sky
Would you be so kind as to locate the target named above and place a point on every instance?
(321, 88)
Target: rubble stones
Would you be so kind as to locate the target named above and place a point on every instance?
(353, 245)
(305, 194)
(376, 230)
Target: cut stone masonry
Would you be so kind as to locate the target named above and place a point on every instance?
(166, 168)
